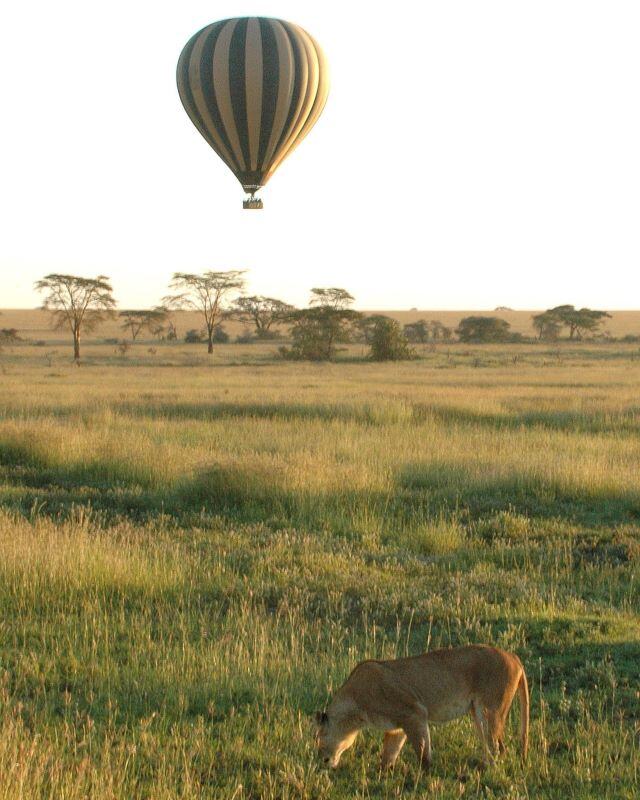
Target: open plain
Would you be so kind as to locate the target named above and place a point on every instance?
(195, 551)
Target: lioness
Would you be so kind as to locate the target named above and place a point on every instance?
(403, 696)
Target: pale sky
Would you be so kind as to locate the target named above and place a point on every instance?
(472, 153)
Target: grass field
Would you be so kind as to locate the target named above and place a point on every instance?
(193, 553)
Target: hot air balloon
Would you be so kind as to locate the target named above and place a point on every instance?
(254, 87)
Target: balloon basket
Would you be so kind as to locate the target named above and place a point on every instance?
(252, 202)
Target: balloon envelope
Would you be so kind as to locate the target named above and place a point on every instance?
(254, 87)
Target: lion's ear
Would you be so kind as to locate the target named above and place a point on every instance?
(321, 717)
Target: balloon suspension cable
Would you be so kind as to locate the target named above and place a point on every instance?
(253, 201)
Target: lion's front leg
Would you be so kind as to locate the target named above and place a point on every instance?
(393, 744)
(420, 737)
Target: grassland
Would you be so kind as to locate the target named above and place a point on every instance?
(34, 323)
(194, 552)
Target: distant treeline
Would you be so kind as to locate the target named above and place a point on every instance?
(316, 332)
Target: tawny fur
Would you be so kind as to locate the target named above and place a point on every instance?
(402, 697)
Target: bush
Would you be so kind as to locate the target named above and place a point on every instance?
(317, 331)
(193, 336)
(249, 337)
(417, 332)
(246, 337)
(288, 353)
(388, 342)
(269, 335)
(484, 329)
(220, 336)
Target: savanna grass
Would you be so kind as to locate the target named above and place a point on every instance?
(191, 559)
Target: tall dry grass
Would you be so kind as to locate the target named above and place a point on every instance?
(191, 558)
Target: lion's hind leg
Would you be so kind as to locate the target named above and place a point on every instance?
(496, 721)
(392, 745)
(497, 718)
(482, 726)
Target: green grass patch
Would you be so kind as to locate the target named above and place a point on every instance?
(193, 558)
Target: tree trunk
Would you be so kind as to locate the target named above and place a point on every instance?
(329, 351)
(210, 345)
(76, 346)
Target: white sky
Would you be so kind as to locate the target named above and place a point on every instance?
(472, 154)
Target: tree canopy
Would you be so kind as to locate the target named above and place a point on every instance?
(367, 325)
(484, 329)
(579, 321)
(547, 325)
(421, 331)
(135, 321)
(264, 312)
(417, 332)
(316, 331)
(205, 293)
(76, 302)
(332, 297)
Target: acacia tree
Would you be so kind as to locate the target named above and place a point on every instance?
(205, 293)
(262, 311)
(439, 331)
(135, 321)
(483, 329)
(333, 297)
(547, 325)
(79, 303)
(417, 332)
(589, 320)
(317, 330)
(579, 321)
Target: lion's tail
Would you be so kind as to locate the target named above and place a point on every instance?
(523, 695)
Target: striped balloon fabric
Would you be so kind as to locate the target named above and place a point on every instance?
(254, 87)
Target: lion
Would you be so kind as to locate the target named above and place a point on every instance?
(403, 696)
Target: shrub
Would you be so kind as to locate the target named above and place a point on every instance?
(317, 331)
(270, 335)
(484, 329)
(220, 336)
(388, 342)
(9, 336)
(246, 337)
(193, 336)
